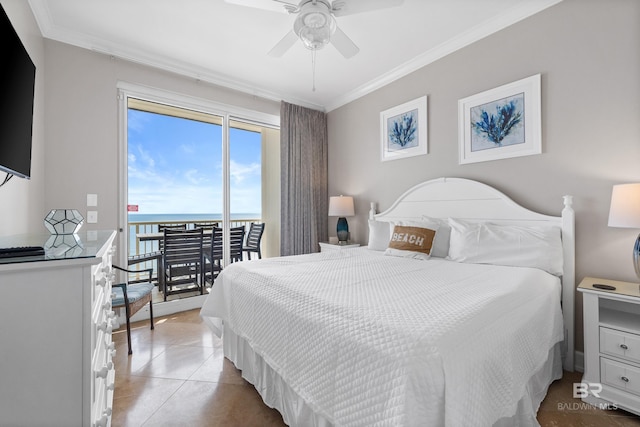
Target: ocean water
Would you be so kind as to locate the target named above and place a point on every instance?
(138, 217)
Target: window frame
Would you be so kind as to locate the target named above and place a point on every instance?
(228, 113)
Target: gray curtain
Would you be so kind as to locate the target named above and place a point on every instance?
(304, 192)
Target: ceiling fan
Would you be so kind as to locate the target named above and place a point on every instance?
(315, 24)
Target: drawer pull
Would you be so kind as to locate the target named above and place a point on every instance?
(105, 327)
(625, 379)
(102, 373)
(624, 347)
(102, 422)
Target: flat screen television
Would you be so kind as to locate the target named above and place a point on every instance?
(17, 74)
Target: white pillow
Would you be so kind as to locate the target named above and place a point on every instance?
(410, 241)
(519, 246)
(441, 242)
(379, 235)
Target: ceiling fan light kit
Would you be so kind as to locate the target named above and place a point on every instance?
(314, 25)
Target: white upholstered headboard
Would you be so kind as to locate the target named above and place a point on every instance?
(473, 201)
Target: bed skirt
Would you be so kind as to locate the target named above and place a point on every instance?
(295, 411)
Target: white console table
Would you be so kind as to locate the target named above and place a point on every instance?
(55, 331)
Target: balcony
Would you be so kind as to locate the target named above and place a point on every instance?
(137, 247)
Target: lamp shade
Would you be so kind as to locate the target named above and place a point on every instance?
(625, 206)
(341, 206)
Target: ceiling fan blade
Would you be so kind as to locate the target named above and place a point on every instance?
(283, 45)
(274, 6)
(344, 44)
(350, 7)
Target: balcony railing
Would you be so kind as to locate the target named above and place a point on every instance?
(136, 247)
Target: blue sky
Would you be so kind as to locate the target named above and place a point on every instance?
(175, 166)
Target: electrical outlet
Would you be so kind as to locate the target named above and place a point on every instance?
(92, 217)
(92, 200)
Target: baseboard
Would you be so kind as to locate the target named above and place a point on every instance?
(166, 308)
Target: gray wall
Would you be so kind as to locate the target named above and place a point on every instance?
(75, 134)
(22, 201)
(588, 53)
(82, 122)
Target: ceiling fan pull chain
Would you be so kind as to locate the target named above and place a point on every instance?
(313, 64)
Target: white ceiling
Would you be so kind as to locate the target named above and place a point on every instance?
(227, 44)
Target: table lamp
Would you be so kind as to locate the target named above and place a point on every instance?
(625, 213)
(341, 206)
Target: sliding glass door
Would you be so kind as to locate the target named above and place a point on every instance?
(189, 167)
(174, 159)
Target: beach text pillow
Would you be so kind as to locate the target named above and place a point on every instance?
(411, 242)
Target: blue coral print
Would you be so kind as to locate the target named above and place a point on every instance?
(402, 131)
(498, 123)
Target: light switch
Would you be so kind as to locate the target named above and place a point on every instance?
(92, 217)
(92, 200)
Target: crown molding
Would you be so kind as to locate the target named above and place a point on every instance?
(468, 37)
(523, 10)
(50, 31)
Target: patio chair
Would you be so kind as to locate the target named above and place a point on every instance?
(205, 225)
(133, 297)
(214, 254)
(182, 261)
(155, 256)
(254, 237)
(236, 239)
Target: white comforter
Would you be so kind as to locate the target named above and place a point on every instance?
(373, 340)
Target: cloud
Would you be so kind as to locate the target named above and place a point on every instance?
(239, 172)
(146, 157)
(166, 182)
(187, 149)
(176, 197)
(193, 176)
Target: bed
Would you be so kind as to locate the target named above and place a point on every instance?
(372, 337)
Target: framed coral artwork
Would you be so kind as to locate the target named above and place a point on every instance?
(500, 123)
(403, 130)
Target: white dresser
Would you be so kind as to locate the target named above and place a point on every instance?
(611, 344)
(55, 332)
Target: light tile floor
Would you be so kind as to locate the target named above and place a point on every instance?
(178, 376)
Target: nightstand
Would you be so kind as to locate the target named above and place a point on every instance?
(325, 246)
(611, 344)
